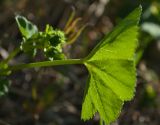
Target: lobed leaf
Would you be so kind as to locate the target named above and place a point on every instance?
(112, 71)
(26, 27)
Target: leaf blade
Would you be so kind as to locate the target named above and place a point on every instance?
(131, 20)
(26, 27)
(112, 70)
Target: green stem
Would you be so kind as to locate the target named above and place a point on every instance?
(46, 63)
(12, 55)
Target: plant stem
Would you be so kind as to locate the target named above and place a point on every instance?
(45, 64)
(12, 55)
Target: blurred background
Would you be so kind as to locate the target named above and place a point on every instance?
(53, 95)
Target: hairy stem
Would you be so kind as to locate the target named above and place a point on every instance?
(45, 64)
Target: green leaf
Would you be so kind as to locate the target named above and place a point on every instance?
(3, 69)
(26, 27)
(112, 71)
(4, 84)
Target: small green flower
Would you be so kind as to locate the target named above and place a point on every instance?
(53, 53)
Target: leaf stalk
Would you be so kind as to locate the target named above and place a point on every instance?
(46, 64)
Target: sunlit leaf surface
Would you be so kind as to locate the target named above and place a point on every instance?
(112, 71)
